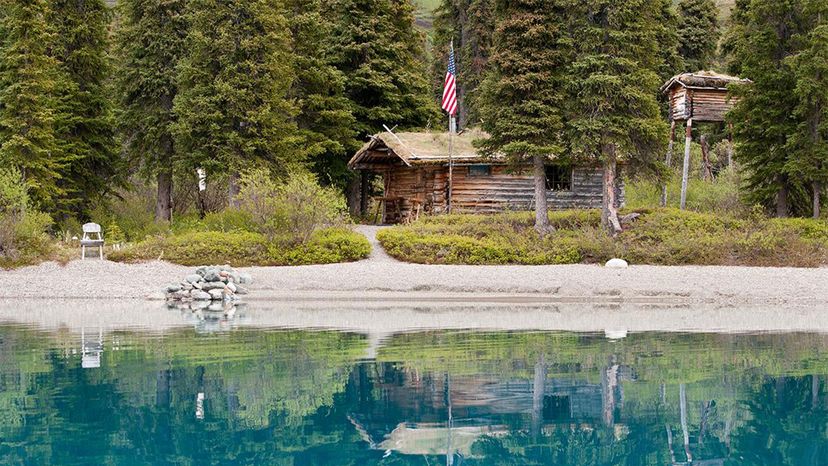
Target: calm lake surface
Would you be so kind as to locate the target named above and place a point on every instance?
(212, 391)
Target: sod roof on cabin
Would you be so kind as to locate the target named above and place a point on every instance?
(420, 147)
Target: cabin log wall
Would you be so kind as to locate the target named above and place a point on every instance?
(502, 190)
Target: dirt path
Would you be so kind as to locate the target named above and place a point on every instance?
(378, 254)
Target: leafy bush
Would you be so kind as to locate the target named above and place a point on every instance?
(244, 248)
(291, 211)
(718, 196)
(660, 236)
(23, 237)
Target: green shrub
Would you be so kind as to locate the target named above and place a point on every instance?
(243, 248)
(659, 236)
(23, 237)
(291, 211)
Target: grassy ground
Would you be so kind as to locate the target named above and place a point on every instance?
(658, 236)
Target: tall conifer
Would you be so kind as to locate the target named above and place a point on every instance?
(808, 145)
(149, 45)
(233, 106)
(470, 25)
(84, 120)
(765, 34)
(613, 113)
(325, 119)
(28, 79)
(523, 95)
(698, 33)
(383, 58)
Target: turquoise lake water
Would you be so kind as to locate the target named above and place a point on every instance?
(199, 395)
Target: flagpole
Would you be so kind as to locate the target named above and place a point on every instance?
(450, 159)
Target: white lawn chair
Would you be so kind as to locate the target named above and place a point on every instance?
(90, 229)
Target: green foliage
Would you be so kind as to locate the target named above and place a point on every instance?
(232, 107)
(325, 117)
(244, 248)
(720, 196)
(698, 33)
(659, 237)
(613, 82)
(291, 210)
(522, 98)
(149, 43)
(28, 80)
(471, 25)
(382, 58)
(84, 120)
(23, 238)
(769, 120)
(114, 234)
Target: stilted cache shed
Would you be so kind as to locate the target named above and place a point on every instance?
(701, 96)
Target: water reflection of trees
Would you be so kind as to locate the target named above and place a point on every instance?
(304, 397)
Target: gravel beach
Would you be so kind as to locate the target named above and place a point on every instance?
(381, 278)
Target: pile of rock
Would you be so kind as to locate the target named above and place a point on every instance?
(210, 283)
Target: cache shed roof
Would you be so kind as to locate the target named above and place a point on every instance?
(702, 80)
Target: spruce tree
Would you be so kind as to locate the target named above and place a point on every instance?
(470, 25)
(523, 96)
(28, 78)
(698, 33)
(383, 59)
(613, 81)
(808, 146)
(764, 35)
(233, 108)
(325, 119)
(84, 120)
(149, 45)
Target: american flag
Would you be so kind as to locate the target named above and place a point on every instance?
(450, 86)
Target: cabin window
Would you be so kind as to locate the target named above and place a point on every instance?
(558, 178)
(479, 170)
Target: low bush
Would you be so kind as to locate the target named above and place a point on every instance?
(23, 237)
(659, 236)
(244, 248)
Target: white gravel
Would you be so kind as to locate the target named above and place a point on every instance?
(382, 277)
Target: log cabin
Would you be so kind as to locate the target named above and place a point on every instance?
(414, 168)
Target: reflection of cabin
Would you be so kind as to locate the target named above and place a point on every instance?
(415, 167)
(700, 96)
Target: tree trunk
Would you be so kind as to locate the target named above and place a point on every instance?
(609, 213)
(707, 168)
(541, 206)
(352, 196)
(668, 161)
(163, 202)
(233, 189)
(782, 199)
(817, 192)
(685, 172)
(729, 145)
